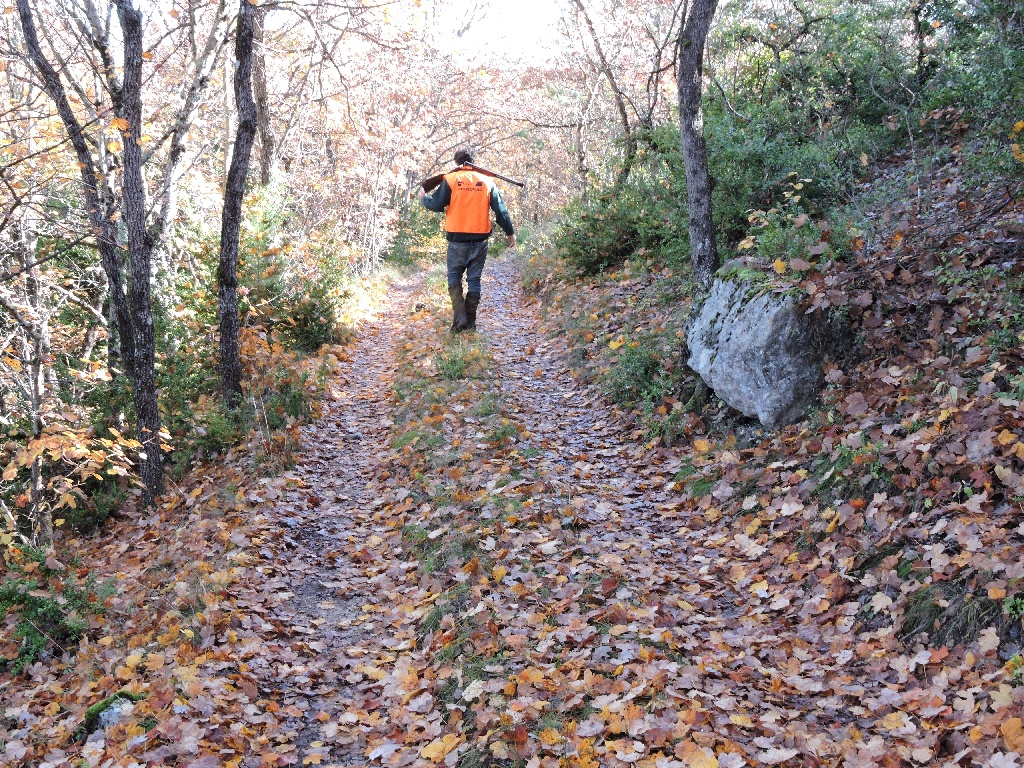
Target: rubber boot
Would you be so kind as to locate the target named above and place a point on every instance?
(459, 321)
(472, 302)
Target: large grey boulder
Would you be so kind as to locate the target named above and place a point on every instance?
(758, 350)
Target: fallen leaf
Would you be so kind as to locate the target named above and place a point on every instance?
(1013, 734)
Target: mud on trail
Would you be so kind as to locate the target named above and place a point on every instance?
(479, 561)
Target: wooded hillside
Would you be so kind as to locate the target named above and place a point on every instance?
(259, 507)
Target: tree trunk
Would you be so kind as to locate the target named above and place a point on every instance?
(139, 250)
(628, 136)
(703, 251)
(104, 228)
(259, 85)
(231, 217)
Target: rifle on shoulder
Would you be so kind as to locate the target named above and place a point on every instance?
(429, 185)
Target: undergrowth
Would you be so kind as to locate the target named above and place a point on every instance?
(51, 607)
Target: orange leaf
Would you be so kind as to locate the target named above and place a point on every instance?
(1013, 734)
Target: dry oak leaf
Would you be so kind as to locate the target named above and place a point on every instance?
(1013, 734)
(384, 751)
(694, 756)
(989, 640)
(550, 737)
(438, 748)
(775, 755)
(531, 675)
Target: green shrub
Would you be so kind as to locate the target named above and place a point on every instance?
(636, 376)
(451, 364)
(978, 70)
(52, 608)
(103, 497)
(608, 226)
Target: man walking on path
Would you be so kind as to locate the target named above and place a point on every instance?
(467, 198)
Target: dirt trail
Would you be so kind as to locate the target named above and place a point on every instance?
(325, 598)
(585, 447)
(603, 571)
(589, 454)
(314, 590)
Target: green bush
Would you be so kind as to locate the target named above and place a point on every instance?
(608, 226)
(978, 70)
(636, 376)
(52, 608)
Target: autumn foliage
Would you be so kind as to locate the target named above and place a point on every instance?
(546, 544)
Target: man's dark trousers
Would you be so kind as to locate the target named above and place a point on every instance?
(468, 259)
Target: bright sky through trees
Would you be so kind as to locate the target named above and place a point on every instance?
(525, 30)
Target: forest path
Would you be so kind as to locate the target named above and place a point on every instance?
(477, 565)
(312, 583)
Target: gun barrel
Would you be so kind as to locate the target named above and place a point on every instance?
(433, 182)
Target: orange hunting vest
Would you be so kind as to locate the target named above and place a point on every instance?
(469, 212)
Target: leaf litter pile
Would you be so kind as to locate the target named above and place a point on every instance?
(475, 562)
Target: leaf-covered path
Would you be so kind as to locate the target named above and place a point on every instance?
(478, 561)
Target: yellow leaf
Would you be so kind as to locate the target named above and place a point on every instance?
(1006, 437)
(550, 736)
(894, 720)
(694, 756)
(616, 343)
(701, 446)
(499, 572)
(996, 593)
(1018, 126)
(438, 748)
(374, 673)
(52, 708)
(59, 522)
(779, 266)
(133, 661)
(500, 749)
(863, 159)
(741, 720)
(759, 586)
(832, 524)
(752, 527)
(119, 123)
(531, 675)
(147, 55)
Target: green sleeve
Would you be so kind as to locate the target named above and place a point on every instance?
(439, 199)
(501, 212)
